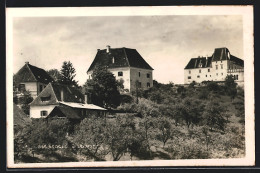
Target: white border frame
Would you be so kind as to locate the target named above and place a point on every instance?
(245, 11)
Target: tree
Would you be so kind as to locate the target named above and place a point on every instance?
(165, 129)
(24, 101)
(104, 88)
(68, 74)
(55, 74)
(214, 116)
(230, 86)
(90, 137)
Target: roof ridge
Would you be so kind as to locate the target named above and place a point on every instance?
(126, 56)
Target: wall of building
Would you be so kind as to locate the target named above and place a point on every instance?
(198, 75)
(35, 111)
(130, 75)
(125, 77)
(32, 87)
(134, 76)
(217, 72)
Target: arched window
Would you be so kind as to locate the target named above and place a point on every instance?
(113, 60)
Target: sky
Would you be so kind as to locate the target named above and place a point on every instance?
(167, 43)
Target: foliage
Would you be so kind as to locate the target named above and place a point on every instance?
(55, 74)
(165, 129)
(230, 86)
(104, 88)
(213, 116)
(67, 74)
(89, 138)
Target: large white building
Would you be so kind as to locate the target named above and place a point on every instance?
(127, 65)
(215, 68)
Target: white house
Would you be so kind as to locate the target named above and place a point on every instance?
(58, 100)
(215, 68)
(31, 78)
(127, 65)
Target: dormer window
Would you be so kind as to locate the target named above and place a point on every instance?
(139, 74)
(200, 65)
(46, 99)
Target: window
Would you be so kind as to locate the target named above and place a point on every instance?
(139, 74)
(216, 73)
(46, 99)
(148, 85)
(222, 74)
(189, 72)
(148, 75)
(199, 71)
(41, 88)
(120, 73)
(216, 67)
(189, 77)
(22, 87)
(221, 66)
(209, 75)
(44, 113)
(139, 84)
(198, 76)
(206, 75)
(208, 70)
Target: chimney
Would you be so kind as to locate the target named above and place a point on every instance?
(27, 62)
(108, 48)
(86, 99)
(61, 95)
(98, 49)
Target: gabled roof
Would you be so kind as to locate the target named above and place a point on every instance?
(196, 62)
(30, 73)
(52, 93)
(62, 111)
(123, 57)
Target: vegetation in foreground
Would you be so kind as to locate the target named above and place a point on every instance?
(166, 122)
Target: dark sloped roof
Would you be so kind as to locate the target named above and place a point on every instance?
(220, 54)
(30, 73)
(20, 118)
(237, 61)
(46, 92)
(123, 57)
(195, 62)
(71, 94)
(52, 92)
(62, 111)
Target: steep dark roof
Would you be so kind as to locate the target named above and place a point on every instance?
(237, 61)
(30, 73)
(220, 54)
(124, 57)
(52, 93)
(195, 62)
(63, 111)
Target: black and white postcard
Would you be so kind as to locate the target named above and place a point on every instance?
(130, 86)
